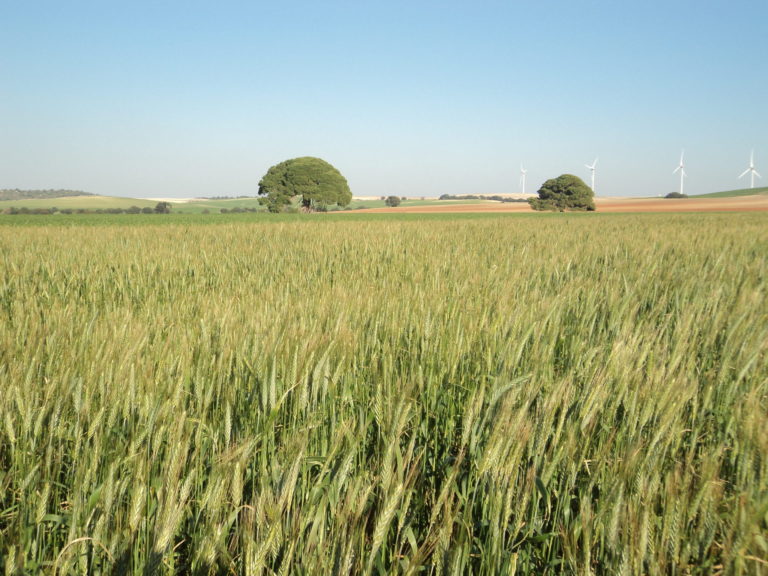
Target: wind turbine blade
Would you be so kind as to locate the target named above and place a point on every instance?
(756, 173)
(676, 169)
(747, 171)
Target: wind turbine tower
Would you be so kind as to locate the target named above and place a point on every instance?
(592, 169)
(681, 168)
(751, 170)
(523, 172)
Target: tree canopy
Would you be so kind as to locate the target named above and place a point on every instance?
(315, 181)
(566, 192)
(163, 208)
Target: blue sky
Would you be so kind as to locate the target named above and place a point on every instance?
(413, 98)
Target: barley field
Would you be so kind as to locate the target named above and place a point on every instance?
(555, 394)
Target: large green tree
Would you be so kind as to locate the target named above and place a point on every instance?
(566, 192)
(314, 181)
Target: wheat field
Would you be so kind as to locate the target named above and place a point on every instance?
(560, 394)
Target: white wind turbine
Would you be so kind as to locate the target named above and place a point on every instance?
(592, 169)
(523, 172)
(681, 168)
(751, 170)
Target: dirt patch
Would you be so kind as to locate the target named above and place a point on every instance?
(758, 202)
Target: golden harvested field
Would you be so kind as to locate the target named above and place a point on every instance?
(758, 202)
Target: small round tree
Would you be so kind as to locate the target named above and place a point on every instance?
(163, 208)
(314, 181)
(566, 192)
(392, 201)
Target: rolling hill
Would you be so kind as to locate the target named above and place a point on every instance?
(734, 193)
(17, 194)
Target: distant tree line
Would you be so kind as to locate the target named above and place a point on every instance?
(496, 197)
(132, 210)
(238, 210)
(160, 208)
(18, 194)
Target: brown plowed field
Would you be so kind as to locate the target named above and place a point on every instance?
(758, 202)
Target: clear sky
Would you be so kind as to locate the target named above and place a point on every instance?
(171, 98)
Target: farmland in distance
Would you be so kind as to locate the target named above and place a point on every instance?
(496, 394)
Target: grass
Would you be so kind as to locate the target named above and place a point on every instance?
(197, 206)
(550, 394)
(136, 220)
(215, 218)
(733, 193)
(361, 203)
